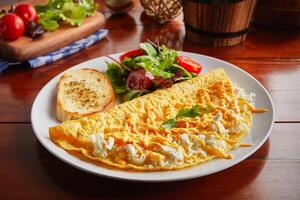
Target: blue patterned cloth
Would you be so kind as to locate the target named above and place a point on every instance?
(59, 54)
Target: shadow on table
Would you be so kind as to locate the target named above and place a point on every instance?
(222, 184)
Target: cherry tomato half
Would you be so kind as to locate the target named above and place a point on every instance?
(27, 13)
(11, 26)
(129, 54)
(189, 64)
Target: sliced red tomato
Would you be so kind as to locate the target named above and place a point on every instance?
(129, 54)
(189, 64)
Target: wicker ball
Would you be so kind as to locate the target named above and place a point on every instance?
(162, 10)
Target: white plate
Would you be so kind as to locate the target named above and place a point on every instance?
(43, 116)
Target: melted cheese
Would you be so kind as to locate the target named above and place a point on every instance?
(130, 136)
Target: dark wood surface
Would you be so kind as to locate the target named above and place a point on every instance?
(29, 171)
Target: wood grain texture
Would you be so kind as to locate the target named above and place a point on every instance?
(217, 18)
(281, 14)
(25, 48)
(33, 173)
(28, 171)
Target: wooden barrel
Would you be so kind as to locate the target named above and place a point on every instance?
(283, 14)
(217, 24)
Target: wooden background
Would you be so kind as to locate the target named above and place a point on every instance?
(29, 171)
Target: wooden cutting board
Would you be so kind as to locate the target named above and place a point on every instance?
(25, 48)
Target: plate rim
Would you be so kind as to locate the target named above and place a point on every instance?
(193, 176)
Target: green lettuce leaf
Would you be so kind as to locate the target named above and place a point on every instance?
(117, 77)
(49, 20)
(73, 13)
(89, 5)
(147, 58)
(68, 11)
(167, 57)
(160, 62)
(150, 67)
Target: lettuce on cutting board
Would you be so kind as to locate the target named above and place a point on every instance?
(71, 12)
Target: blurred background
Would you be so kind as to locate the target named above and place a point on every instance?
(5, 2)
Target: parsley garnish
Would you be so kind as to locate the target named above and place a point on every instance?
(169, 123)
(195, 111)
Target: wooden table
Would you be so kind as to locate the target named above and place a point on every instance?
(29, 171)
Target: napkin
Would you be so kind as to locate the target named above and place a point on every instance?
(59, 54)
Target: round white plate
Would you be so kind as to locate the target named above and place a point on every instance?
(43, 116)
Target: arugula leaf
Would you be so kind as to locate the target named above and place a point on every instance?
(149, 49)
(159, 61)
(167, 57)
(117, 77)
(171, 123)
(164, 64)
(162, 60)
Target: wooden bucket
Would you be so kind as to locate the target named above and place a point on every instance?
(217, 24)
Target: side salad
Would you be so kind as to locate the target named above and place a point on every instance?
(148, 68)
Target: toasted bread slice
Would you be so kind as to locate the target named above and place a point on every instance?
(83, 92)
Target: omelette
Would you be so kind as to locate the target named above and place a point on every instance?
(190, 123)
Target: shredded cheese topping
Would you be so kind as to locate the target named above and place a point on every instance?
(130, 135)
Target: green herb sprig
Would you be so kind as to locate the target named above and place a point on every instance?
(195, 111)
